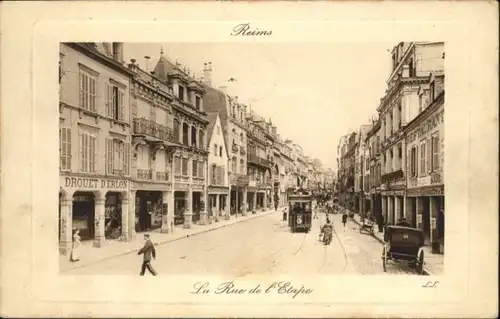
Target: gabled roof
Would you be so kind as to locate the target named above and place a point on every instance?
(163, 68)
(216, 101)
(212, 117)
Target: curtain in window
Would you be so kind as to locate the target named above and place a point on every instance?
(65, 148)
(435, 152)
(195, 168)
(185, 168)
(177, 165)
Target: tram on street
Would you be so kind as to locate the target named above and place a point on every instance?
(300, 211)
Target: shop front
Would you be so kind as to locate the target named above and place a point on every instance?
(428, 206)
(252, 197)
(97, 207)
(217, 201)
(152, 202)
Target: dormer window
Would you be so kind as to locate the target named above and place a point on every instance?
(432, 92)
(198, 102)
(181, 93)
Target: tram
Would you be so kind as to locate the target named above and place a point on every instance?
(300, 210)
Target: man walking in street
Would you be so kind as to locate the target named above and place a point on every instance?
(344, 218)
(148, 251)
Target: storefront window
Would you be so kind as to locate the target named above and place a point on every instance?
(83, 214)
(112, 209)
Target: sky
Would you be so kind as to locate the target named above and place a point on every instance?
(314, 93)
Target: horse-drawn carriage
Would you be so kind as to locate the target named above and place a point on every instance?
(367, 225)
(300, 211)
(404, 244)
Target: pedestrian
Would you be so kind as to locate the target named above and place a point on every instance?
(74, 257)
(148, 251)
(315, 213)
(344, 219)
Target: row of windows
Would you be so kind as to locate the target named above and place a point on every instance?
(182, 92)
(218, 175)
(114, 99)
(217, 150)
(428, 157)
(234, 166)
(181, 167)
(197, 136)
(117, 153)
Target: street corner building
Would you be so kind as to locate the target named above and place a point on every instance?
(395, 168)
(95, 143)
(133, 153)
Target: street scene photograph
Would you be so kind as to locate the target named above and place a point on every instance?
(242, 159)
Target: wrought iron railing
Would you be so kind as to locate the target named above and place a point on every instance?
(255, 159)
(162, 176)
(392, 176)
(144, 174)
(147, 127)
(118, 172)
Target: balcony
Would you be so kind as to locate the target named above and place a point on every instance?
(118, 172)
(162, 176)
(143, 126)
(144, 174)
(257, 160)
(389, 177)
(239, 179)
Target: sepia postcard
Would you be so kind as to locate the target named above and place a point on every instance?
(221, 159)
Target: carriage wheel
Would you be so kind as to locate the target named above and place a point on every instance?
(384, 259)
(420, 261)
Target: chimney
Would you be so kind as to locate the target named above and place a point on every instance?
(146, 58)
(207, 74)
(132, 65)
(118, 51)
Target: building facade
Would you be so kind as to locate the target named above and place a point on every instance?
(234, 127)
(373, 171)
(218, 178)
(259, 164)
(359, 170)
(412, 64)
(94, 143)
(187, 153)
(425, 154)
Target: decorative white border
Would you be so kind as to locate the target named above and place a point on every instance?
(30, 176)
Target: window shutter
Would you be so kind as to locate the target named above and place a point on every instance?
(82, 81)
(126, 160)
(121, 107)
(429, 154)
(92, 154)
(109, 156)
(83, 160)
(108, 103)
(92, 95)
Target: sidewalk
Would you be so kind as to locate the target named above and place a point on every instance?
(114, 248)
(433, 263)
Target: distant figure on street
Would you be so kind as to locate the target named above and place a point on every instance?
(327, 230)
(344, 218)
(380, 220)
(315, 213)
(148, 251)
(76, 244)
(402, 222)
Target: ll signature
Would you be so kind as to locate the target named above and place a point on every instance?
(430, 284)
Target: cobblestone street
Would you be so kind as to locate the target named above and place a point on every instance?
(258, 246)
